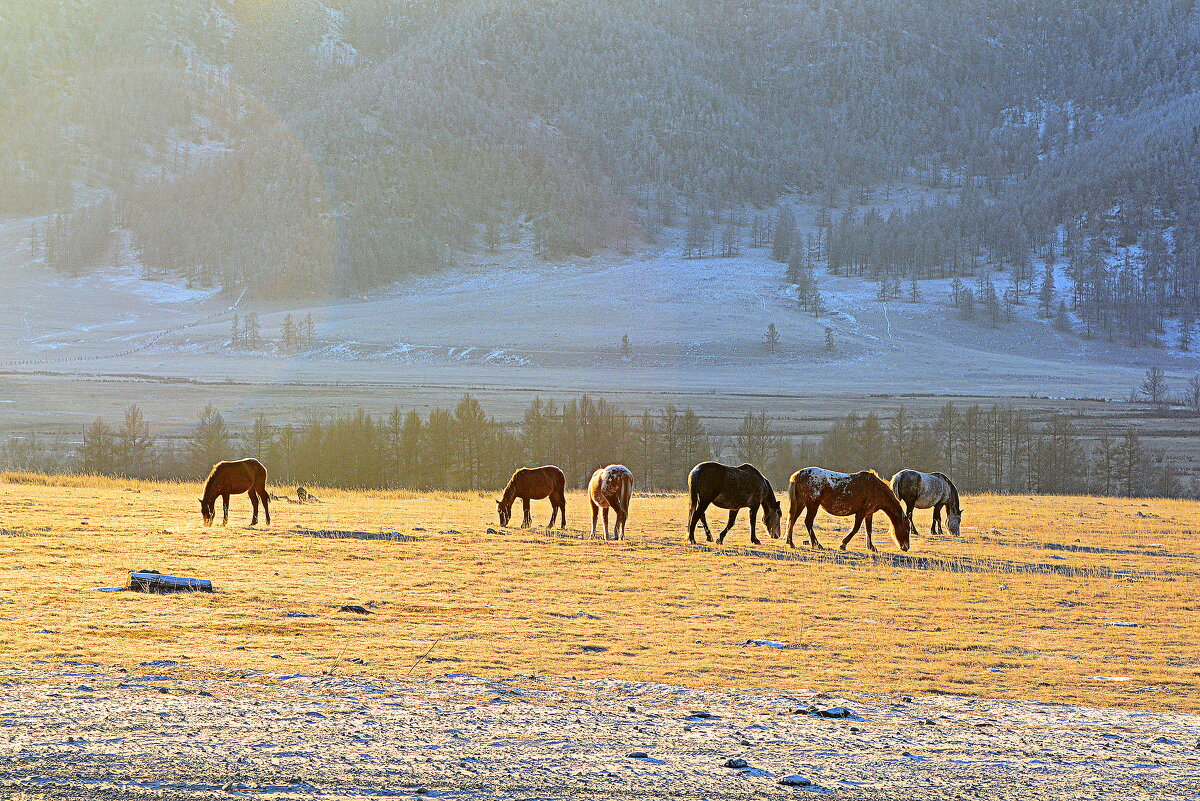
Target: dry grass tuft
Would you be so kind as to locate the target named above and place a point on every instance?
(1024, 605)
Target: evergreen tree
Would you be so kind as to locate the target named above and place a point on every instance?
(289, 334)
(771, 338)
(251, 333)
(1046, 294)
(785, 233)
(309, 329)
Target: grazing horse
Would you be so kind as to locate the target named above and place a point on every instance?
(841, 494)
(917, 490)
(535, 483)
(731, 488)
(234, 478)
(611, 486)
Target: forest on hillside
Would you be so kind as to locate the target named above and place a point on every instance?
(302, 147)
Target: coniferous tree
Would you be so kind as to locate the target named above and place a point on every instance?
(785, 233)
(771, 339)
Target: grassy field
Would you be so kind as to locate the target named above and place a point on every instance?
(1024, 605)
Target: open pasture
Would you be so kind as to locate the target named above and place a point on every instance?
(1035, 601)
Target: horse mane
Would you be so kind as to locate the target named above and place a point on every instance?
(510, 489)
(957, 509)
(212, 474)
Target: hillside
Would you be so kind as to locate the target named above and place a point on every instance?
(366, 141)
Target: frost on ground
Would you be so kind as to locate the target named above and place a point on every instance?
(166, 729)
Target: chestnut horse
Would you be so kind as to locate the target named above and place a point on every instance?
(611, 486)
(917, 490)
(234, 478)
(860, 494)
(535, 483)
(731, 488)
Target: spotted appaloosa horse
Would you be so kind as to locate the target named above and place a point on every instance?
(234, 478)
(535, 483)
(917, 490)
(611, 486)
(731, 488)
(841, 494)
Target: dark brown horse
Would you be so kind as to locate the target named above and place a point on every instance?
(234, 478)
(731, 488)
(860, 494)
(535, 483)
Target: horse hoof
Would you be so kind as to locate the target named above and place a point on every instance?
(756, 542)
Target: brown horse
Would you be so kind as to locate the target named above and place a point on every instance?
(841, 494)
(234, 478)
(731, 488)
(611, 486)
(535, 483)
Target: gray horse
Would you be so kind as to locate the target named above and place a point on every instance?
(924, 490)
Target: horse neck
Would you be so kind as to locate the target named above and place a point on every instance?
(954, 505)
(510, 493)
(889, 504)
(210, 488)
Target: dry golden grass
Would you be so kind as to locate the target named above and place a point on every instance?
(526, 601)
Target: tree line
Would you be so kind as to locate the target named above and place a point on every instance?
(985, 449)
(366, 140)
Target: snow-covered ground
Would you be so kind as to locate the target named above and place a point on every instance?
(508, 320)
(82, 731)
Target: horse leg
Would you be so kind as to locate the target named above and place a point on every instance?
(606, 524)
(793, 513)
(810, 514)
(262, 494)
(936, 526)
(870, 544)
(595, 514)
(253, 507)
(753, 519)
(527, 520)
(858, 521)
(621, 511)
(225, 503)
(695, 516)
(561, 500)
(909, 513)
(729, 525)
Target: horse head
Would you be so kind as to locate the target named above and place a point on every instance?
(953, 519)
(505, 512)
(208, 511)
(772, 516)
(900, 529)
